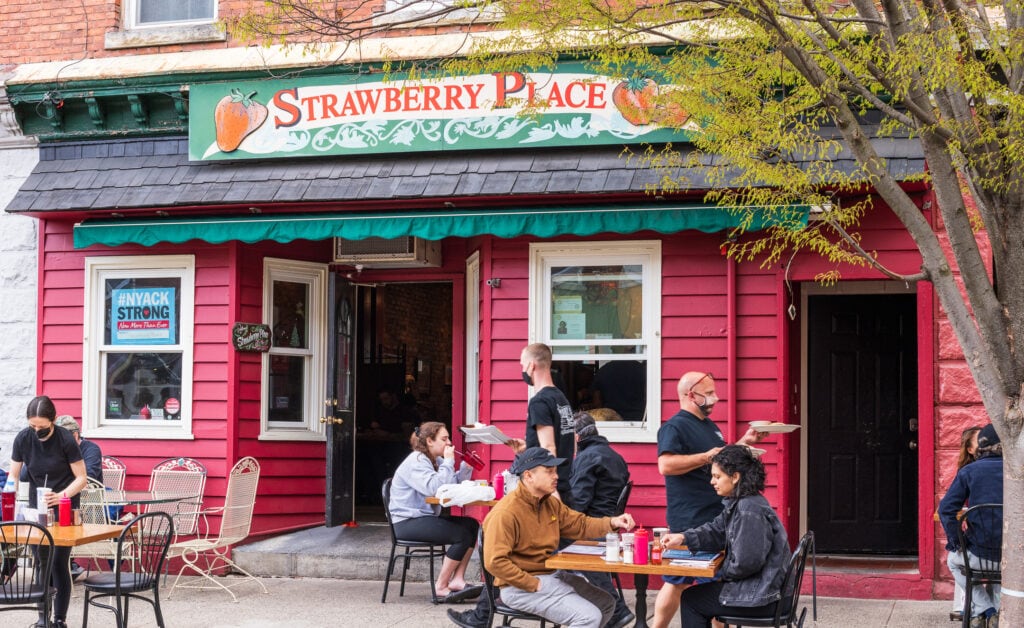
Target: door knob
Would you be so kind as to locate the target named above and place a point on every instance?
(332, 419)
(912, 444)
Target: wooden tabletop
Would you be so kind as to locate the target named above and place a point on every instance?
(586, 562)
(72, 536)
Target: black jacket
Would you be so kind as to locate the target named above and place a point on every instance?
(598, 476)
(756, 550)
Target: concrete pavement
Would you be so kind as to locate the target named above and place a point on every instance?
(335, 603)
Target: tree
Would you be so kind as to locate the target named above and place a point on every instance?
(763, 81)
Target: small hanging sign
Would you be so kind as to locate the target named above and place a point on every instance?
(251, 337)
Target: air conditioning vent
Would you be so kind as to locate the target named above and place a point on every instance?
(408, 252)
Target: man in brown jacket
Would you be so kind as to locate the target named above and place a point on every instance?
(522, 532)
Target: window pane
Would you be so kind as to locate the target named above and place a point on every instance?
(291, 299)
(287, 378)
(144, 311)
(180, 11)
(141, 384)
(604, 302)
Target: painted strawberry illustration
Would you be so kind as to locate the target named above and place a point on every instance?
(671, 115)
(634, 98)
(235, 118)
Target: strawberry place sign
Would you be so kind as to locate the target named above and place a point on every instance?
(361, 114)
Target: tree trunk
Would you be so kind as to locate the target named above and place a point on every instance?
(1012, 604)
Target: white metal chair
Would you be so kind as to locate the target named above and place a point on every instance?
(236, 520)
(93, 504)
(185, 477)
(114, 472)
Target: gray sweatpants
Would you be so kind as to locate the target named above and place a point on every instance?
(565, 598)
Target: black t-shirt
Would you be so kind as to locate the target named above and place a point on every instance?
(550, 407)
(690, 498)
(47, 461)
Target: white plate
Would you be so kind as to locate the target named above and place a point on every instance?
(757, 451)
(775, 428)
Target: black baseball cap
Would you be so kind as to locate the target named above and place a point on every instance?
(534, 457)
(987, 436)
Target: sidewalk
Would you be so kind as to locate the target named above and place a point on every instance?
(333, 603)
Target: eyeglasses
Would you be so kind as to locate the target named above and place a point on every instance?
(707, 375)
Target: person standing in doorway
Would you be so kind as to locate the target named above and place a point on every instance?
(686, 444)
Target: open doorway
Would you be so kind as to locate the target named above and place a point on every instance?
(403, 377)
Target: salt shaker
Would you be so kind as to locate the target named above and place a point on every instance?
(611, 547)
(627, 548)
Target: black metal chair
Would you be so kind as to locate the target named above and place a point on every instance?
(494, 605)
(983, 572)
(24, 573)
(141, 551)
(620, 507)
(786, 610)
(413, 549)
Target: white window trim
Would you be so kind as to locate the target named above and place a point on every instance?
(97, 269)
(135, 35)
(315, 276)
(473, 338)
(401, 11)
(645, 252)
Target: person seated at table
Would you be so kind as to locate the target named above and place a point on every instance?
(598, 476)
(523, 531)
(749, 581)
(93, 458)
(980, 482)
(431, 465)
(53, 460)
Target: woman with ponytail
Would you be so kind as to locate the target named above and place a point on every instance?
(431, 465)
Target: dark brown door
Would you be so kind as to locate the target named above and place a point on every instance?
(340, 402)
(862, 423)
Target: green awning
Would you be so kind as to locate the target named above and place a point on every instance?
(542, 222)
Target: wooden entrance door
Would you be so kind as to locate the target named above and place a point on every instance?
(339, 406)
(862, 423)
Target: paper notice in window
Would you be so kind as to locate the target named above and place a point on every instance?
(481, 433)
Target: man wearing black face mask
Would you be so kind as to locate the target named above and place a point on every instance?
(686, 444)
(549, 422)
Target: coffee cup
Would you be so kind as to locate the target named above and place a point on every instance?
(41, 493)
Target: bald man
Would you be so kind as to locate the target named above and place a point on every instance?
(686, 444)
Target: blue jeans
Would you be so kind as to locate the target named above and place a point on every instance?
(981, 599)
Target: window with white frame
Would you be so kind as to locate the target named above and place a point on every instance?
(137, 348)
(599, 309)
(473, 338)
(294, 369)
(143, 13)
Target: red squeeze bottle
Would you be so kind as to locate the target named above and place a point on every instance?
(64, 510)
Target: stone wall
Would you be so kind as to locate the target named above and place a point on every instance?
(18, 279)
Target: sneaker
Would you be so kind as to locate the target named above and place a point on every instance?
(979, 621)
(76, 570)
(622, 620)
(993, 621)
(58, 623)
(466, 619)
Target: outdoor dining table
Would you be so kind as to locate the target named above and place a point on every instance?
(73, 536)
(641, 573)
(142, 498)
(484, 502)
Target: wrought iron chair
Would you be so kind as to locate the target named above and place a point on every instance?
(620, 507)
(979, 571)
(413, 549)
(236, 520)
(141, 551)
(114, 472)
(494, 604)
(786, 610)
(185, 477)
(23, 571)
(95, 510)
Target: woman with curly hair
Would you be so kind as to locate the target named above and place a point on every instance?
(431, 465)
(755, 544)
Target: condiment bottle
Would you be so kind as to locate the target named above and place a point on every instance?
(611, 547)
(656, 549)
(641, 546)
(64, 508)
(8, 501)
(627, 548)
(499, 486)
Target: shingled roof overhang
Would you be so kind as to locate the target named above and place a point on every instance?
(151, 179)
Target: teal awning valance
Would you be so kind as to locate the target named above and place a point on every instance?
(542, 222)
